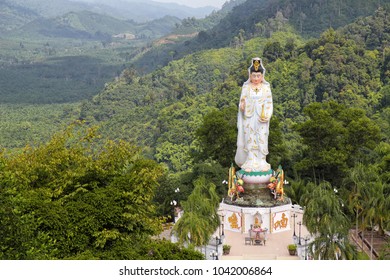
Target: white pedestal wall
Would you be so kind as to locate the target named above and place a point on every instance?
(239, 219)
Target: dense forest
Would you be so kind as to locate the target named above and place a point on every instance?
(67, 59)
(255, 18)
(74, 54)
(150, 132)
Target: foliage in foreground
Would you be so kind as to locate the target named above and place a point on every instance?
(74, 199)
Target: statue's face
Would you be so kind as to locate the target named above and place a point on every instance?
(256, 78)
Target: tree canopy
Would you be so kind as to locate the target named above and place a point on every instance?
(74, 198)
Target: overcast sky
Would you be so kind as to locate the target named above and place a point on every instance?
(196, 3)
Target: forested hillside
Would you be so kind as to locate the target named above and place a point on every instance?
(64, 59)
(263, 17)
(92, 26)
(70, 58)
(102, 188)
(13, 16)
(343, 66)
(139, 11)
(343, 75)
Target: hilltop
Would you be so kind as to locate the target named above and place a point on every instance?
(92, 26)
(15, 13)
(254, 18)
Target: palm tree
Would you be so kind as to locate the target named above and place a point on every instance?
(191, 228)
(323, 210)
(385, 252)
(334, 248)
(356, 181)
(325, 219)
(376, 209)
(200, 219)
(381, 205)
(368, 198)
(296, 190)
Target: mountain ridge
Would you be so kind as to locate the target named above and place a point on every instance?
(136, 11)
(257, 17)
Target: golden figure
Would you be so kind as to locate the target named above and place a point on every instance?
(281, 223)
(235, 187)
(276, 184)
(233, 220)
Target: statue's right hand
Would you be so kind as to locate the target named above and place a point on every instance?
(242, 105)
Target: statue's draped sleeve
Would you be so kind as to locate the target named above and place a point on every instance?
(241, 154)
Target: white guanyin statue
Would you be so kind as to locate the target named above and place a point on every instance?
(254, 114)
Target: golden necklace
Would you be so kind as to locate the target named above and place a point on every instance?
(256, 88)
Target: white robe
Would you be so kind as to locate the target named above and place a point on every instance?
(252, 140)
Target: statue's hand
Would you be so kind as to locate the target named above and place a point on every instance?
(242, 105)
(263, 120)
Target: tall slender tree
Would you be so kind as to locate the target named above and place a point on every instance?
(200, 219)
(324, 218)
(355, 182)
(368, 198)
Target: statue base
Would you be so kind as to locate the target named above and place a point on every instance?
(256, 195)
(256, 201)
(256, 191)
(243, 219)
(257, 177)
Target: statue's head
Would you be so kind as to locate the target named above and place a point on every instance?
(257, 66)
(256, 69)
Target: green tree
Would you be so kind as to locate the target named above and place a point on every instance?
(335, 248)
(212, 171)
(383, 151)
(217, 136)
(376, 211)
(296, 190)
(73, 197)
(278, 151)
(176, 156)
(368, 199)
(356, 178)
(384, 254)
(325, 219)
(200, 219)
(272, 51)
(336, 138)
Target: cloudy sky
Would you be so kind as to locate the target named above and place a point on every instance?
(196, 3)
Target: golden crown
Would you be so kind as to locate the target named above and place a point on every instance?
(256, 65)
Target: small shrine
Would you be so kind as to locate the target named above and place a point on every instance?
(256, 208)
(257, 233)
